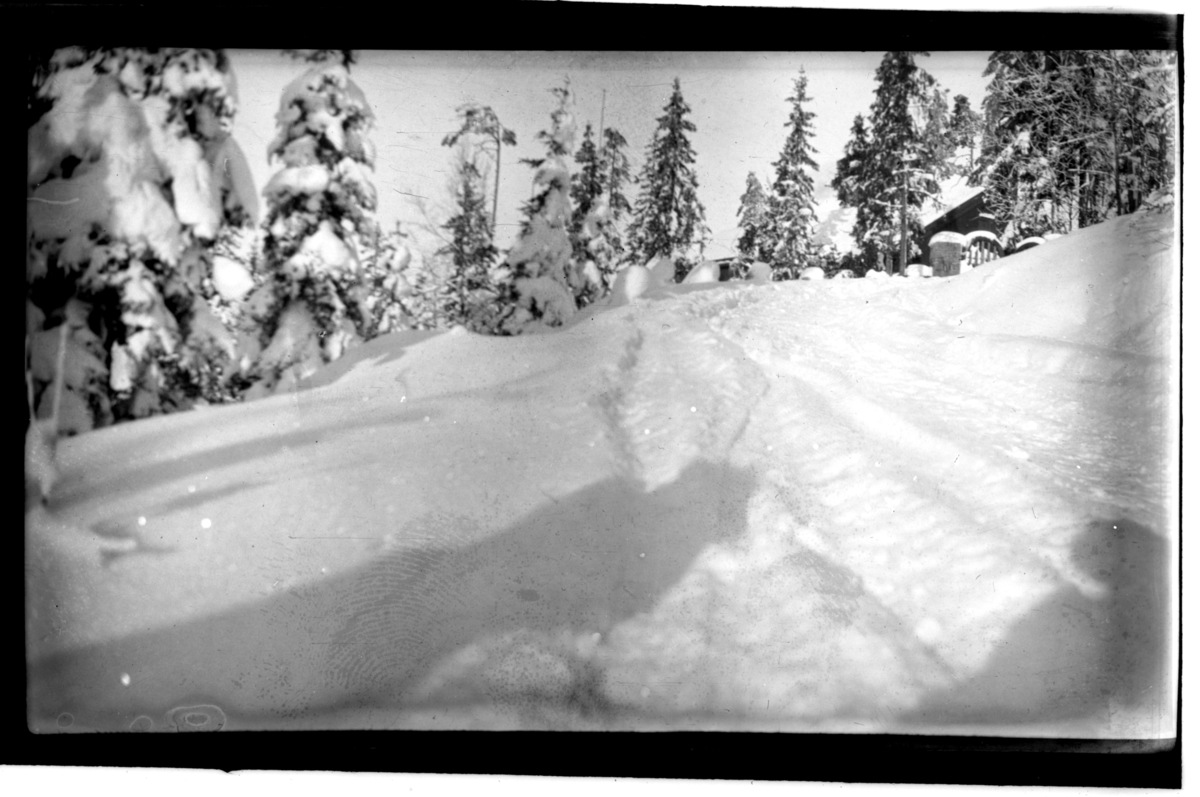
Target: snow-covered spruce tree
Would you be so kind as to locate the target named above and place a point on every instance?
(481, 122)
(132, 174)
(903, 98)
(312, 304)
(853, 173)
(539, 282)
(588, 213)
(587, 182)
(1072, 137)
(792, 218)
(937, 144)
(616, 174)
(599, 205)
(668, 218)
(851, 168)
(965, 125)
(467, 296)
(753, 216)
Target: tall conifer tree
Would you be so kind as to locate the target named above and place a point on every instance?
(480, 121)
(541, 282)
(1072, 137)
(467, 293)
(870, 175)
(669, 217)
(792, 215)
(753, 214)
(313, 304)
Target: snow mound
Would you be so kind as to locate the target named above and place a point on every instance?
(662, 269)
(631, 282)
(707, 271)
(759, 272)
(1106, 285)
(905, 506)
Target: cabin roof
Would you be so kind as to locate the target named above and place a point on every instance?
(952, 200)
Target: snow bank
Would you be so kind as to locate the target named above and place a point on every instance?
(706, 271)
(1109, 285)
(662, 269)
(759, 272)
(905, 506)
(630, 283)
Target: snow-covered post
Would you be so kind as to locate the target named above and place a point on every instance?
(313, 304)
(946, 253)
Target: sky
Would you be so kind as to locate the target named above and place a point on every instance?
(738, 101)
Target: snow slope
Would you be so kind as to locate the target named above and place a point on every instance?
(913, 506)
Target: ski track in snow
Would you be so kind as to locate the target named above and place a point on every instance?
(796, 505)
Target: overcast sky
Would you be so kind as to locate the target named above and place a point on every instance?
(738, 101)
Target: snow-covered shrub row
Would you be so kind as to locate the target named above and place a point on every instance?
(132, 174)
(313, 302)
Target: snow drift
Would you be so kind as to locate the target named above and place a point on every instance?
(919, 506)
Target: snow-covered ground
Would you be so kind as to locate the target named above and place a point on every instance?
(902, 505)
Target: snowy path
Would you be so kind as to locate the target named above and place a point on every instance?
(851, 505)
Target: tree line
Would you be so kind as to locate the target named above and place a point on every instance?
(1065, 139)
(147, 247)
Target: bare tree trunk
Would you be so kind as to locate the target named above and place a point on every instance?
(496, 191)
(1116, 133)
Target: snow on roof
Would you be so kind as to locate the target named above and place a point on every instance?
(955, 192)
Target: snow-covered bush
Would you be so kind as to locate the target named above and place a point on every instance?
(467, 296)
(539, 281)
(388, 289)
(312, 304)
(132, 174)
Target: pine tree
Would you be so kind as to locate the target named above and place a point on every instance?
(313, 305)
(851, 167)
(586, 188)
(616, 174)
(753, 215)
(467, 293)
(599, 205)
(936, 146)
(1072, 137)
(869, 175)
(540, 283)
(132, 178)
(964, 127)
(587, 182)
(669, 218)
(480, 121)
(792, 214)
